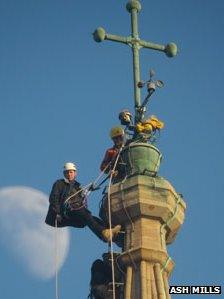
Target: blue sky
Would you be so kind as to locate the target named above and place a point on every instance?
(60, 94)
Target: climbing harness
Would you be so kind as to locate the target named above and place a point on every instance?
(71, 203)
(85, 191)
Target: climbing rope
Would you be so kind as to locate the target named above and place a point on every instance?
(164, 267)
(87, 188)
(56, 260)
(110, 223)
(170, 219)
(123, 204)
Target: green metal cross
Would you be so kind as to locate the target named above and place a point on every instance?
(136, 44)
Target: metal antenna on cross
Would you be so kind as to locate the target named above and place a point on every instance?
(134, 7)
(151, 87)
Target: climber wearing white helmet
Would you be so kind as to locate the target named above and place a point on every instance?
(78, 215)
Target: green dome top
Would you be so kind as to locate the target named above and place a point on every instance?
(133, 4)
(99, 34)
(171, 50)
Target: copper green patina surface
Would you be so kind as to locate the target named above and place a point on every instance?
(141, 158)
(136, 44)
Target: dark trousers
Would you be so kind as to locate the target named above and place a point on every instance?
(77, 218)
(95, 224)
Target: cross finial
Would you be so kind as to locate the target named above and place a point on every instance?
(134, 7)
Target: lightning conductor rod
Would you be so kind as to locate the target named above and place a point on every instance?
(99, 35)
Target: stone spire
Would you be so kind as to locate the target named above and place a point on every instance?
(148, 207)
(152, 212)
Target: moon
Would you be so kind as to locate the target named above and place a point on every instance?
(41, 249)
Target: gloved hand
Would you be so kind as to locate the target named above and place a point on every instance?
(114, 173)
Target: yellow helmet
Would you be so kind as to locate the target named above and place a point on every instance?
(116, 131)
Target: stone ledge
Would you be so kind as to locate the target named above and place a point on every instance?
(136, 255)
(149, 197)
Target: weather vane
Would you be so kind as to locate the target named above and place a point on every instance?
(134, 7)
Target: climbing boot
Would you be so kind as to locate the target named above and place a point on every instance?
(114, 231)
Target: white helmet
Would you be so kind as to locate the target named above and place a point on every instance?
(69, 166)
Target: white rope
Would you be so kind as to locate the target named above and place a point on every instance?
(101, 173)
(56, 260)
(110, 224)
(88, 185)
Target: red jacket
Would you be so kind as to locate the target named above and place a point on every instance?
(109, 158)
